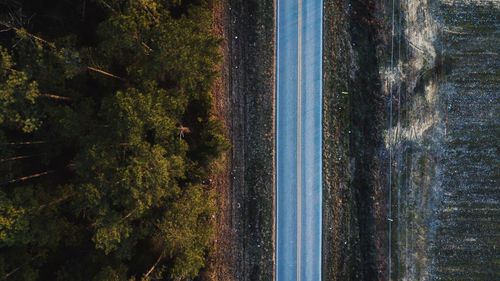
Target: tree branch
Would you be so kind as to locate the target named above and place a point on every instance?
(8, 274)
(100, 71)
(146, 275)
(17, 158)
(52, 45)
(31, 35)
(57, 201)
(56, 97)
(25, 178)
(23, 143)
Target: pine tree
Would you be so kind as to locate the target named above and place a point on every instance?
(106, 137)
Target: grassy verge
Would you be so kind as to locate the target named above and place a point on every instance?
(353, 116)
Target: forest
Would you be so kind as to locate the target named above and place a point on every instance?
(106, 139)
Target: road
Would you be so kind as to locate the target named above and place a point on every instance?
(298, 139)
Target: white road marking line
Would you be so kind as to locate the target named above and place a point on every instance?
(299, 140)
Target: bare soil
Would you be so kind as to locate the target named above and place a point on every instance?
(221, 258)
(243, 244)
(354, 155)
(442, 91)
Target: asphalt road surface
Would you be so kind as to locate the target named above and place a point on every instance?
(298, 139)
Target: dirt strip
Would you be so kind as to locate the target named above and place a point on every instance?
(244, 98)
(221, 259)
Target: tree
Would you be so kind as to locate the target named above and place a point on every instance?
(96, 182)
(17, 97)
(185, 230)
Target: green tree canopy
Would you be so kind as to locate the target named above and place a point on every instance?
(106, 138)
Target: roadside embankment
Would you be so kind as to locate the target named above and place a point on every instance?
(245, 218)
(353, 157)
